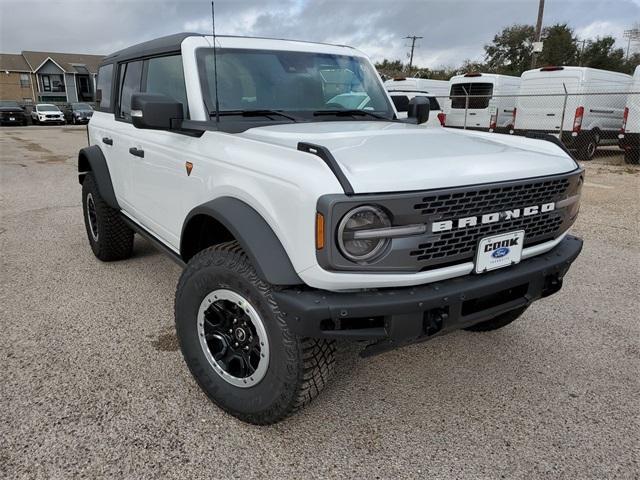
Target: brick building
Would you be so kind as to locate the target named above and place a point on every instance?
(38, 77)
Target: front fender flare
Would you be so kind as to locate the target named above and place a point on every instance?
(92, 159)
(254, 235)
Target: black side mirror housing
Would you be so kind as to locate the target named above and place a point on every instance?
(155, 112)
(419, 108)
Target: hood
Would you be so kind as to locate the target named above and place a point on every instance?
(381, 156)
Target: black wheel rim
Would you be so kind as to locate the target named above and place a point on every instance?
(233, 338)
(92, 217)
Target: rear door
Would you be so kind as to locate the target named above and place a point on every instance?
(476, 108)
(541, 101)
(103, 131)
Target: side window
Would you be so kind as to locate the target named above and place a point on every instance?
(130, 78)
(165, 76)
(105, 78)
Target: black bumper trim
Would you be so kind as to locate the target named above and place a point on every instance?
(398, 316)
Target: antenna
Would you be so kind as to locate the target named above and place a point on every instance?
(215, 61)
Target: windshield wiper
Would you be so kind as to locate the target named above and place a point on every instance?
(348, 113)
(256, 113)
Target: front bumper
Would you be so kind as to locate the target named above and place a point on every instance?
(52, 120)
(395, 317)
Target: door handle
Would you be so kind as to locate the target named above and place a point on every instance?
(138, 152)
(107, 140)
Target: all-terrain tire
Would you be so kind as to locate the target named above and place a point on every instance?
(497, 322)
(632, 156)
(113, 239)
(298, 368)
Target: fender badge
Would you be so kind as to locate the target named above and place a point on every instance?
(189, 167)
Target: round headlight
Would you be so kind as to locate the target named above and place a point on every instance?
(361, 219)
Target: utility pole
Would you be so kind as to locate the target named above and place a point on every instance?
(633, 35)
(538, 33)
(413, 39)
(581, 54)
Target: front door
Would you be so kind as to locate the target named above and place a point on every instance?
(156, 159)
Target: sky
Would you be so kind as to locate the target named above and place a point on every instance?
(453, 30)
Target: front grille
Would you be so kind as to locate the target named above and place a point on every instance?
(460, 245)
(473, 202)
(432, 250)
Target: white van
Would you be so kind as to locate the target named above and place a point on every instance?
(402, 90)
(594, 105)
(630, 131)
(490, 103)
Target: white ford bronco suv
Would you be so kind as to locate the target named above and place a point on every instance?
(300, 221)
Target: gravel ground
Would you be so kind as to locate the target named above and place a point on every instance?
(93, 384)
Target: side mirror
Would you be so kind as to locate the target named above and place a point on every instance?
(156, 112)
(419, 109)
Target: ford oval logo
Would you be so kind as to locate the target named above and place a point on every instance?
(500, 252)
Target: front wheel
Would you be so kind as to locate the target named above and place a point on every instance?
(237, 344)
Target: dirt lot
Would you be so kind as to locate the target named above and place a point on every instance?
(93, 384)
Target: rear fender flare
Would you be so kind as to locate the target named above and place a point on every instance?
(91, 159)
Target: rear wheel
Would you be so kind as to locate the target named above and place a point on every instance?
(498, 322)
(237, 344)
(588, 146)
(110, 238)
(632, 156)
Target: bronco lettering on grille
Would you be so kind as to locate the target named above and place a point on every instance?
(446, 225)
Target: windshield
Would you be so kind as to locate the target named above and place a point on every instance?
(81, 106)
(7, 103)
(302, 82)
(48, 108)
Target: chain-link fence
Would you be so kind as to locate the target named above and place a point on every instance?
(584, 122)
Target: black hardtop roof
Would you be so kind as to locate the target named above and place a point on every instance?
(171, 43)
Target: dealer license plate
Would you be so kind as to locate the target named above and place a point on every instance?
(499, 251)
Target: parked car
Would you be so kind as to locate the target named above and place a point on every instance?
(594, 105)
(12, 114)
(44, 113)
(298, 221)
(78, 113)
(629, 137)
(490, 103)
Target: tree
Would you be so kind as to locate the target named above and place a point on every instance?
(601, 53)
(631, 64)
(560, 46)
(390, 68)
(510, 51)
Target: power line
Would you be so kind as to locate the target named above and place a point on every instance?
(413, 39)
